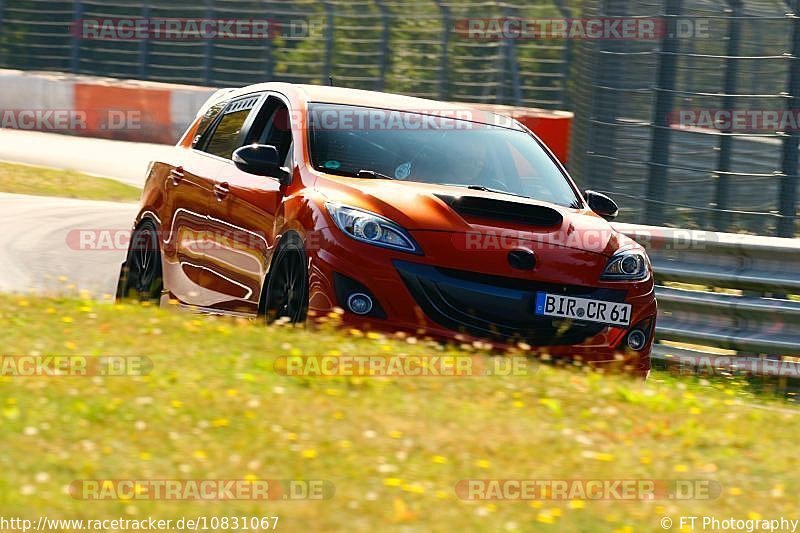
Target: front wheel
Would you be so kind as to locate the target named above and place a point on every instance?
(287, 285)
(141, 276)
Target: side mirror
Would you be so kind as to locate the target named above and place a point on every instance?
(602, 205)
(261, 160)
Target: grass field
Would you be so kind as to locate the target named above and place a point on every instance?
(214, 407)
(41, 181)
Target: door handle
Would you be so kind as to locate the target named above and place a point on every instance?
(221, 190)
(177, 175)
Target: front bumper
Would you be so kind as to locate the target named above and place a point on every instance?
(441, 295)
(496, 307)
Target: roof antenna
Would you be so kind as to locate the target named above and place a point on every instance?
(330, 81)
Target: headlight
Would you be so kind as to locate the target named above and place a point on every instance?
(628, 265)
(371, 228)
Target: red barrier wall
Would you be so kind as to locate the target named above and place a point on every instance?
(552, 127)
(162, 111)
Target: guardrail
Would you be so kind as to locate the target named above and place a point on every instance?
(730, 297)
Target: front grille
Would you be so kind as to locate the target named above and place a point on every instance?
(476, 206)
(496, 307)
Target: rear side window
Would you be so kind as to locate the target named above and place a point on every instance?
(208, 119)
(227, 135)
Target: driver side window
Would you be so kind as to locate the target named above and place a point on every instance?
(273, 126)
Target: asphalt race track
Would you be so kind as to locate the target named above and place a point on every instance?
(124, 161)
(39, 243)
(39, 240)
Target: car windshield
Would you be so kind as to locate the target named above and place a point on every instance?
(378, 143)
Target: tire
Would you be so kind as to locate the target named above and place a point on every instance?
(286, 294)
(141, 277)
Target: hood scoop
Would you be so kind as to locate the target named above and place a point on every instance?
(476, 206)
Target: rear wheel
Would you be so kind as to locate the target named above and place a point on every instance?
(141, 277)
(287, 287)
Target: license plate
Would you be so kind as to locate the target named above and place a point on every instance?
(584, 309)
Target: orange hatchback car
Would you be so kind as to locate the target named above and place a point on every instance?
(408, 214)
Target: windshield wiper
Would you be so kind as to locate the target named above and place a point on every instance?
(485, 189)
(372, 174)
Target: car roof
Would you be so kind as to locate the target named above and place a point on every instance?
(358, 97)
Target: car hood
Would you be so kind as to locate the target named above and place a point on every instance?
(478, 214)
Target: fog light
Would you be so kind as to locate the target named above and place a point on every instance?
(359, 303)
(637, 339)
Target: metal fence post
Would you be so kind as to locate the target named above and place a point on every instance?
(209, 46)
(605, 106)
(566, 56)
(510, 57)
(788, 188)
(3, 52)
(269, 61)
(722, 199)
(513, 64)
(445, 42)
(328, 41)
(144, 45)
(75, 55)
(384, 67)
(660, 143)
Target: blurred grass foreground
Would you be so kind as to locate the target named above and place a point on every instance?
(41, 181)
(212, 402)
